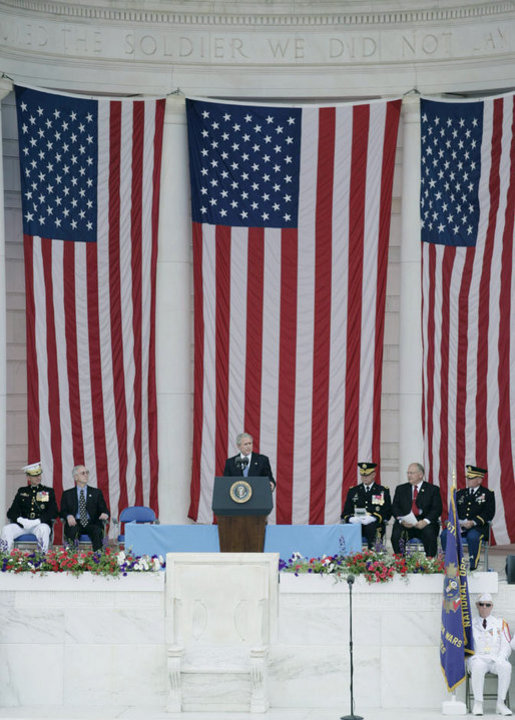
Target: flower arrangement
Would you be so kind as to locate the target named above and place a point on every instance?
(108, 562)
(375, 565)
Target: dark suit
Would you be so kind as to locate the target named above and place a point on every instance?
(376, 501)
(429, 503)
(479, 506)
(95, 506)
(259, 467)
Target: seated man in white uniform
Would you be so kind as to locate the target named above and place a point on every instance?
(492, 649)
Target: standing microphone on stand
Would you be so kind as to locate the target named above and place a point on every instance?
(351, 716)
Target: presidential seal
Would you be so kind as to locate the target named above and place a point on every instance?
(240, 491)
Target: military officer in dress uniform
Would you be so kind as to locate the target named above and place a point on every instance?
(33, 511)
(492, 650)
(368, 504)
(476, 509)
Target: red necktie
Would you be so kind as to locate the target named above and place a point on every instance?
(414, 507)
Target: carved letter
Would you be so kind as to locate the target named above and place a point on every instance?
(28, 33)
(411, 45)
(65, 39)
(447, 42)
(430, 44)
(42, 36)
(185, 47)
(278, 48)
(97, 41)
(369, 46)
(237, 45)
(336, 48)
(299, 48)
(129, 43)
(219, 48)
(148, 45)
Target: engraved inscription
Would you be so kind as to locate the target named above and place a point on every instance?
(259, 46)
(426, 44)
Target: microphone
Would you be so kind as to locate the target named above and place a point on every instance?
(241, 462)
(350, 579)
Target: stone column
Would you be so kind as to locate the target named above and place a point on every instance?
(174, 336)
(411, 445)
(5, 89)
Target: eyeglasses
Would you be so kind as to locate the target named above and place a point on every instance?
(485, 604)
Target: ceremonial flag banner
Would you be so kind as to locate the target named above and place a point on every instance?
(291, 219)
(90, 175)
(467, 213)
(456, 639)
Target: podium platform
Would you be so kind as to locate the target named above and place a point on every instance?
(308, 540)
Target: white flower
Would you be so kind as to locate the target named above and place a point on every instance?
(156, 564)
(121, 557)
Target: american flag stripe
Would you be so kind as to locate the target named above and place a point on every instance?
(91, 311)
(287, 343)
(467, 321)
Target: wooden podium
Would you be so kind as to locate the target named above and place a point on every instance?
(241, 506)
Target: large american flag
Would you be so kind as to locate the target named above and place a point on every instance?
(90, 176)
(468, 320)
(291, 219)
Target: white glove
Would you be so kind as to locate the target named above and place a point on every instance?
(367, 519)
(29, 524)
(22, 521)
(354, 519)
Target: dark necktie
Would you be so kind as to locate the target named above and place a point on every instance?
(414, 506)
(83, 514)
(484, 623)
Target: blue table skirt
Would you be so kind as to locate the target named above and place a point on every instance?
(308, 540)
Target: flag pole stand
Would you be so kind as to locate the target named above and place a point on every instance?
(350, 582)
(453, 706)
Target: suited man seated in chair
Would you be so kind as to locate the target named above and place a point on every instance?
(416, 507)
(84, 510)
(247, 463)
(476, 508)
(368, 504)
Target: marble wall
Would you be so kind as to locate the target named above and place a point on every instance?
(100, 641)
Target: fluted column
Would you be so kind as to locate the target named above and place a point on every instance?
(411, 444)
(5, 89)
(174, 320)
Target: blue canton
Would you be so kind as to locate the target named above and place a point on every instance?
(58, 161)
(244, 164)
(450, 171)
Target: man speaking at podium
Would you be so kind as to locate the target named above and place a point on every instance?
(247, 463)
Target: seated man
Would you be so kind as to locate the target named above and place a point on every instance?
(368, 504)
(416, 506)
(247, 463)
(34, 510)
(492, 650)
(476, 508)
(84, 510)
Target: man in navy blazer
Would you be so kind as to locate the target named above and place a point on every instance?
(95, 513)
(423, 500)
(247, 463)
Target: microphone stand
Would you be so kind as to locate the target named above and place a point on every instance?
(351, 716)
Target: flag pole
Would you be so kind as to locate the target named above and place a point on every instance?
(453, 558)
